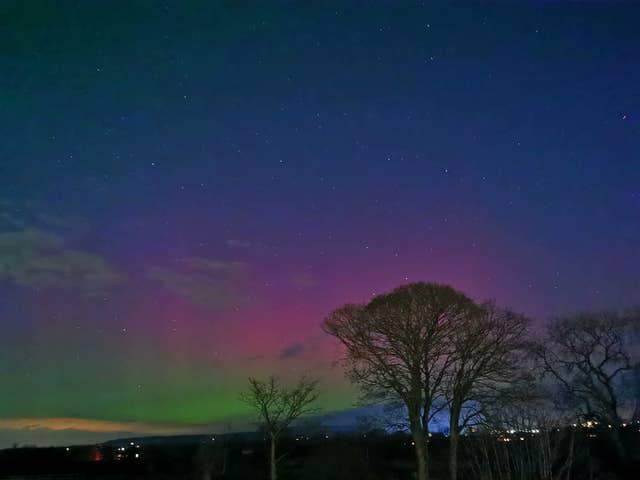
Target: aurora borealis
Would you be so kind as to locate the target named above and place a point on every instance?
(186, 191)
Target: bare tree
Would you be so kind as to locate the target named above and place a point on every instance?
(634, 380)
(588, 355)
(523, 436)
(397, 350)
(592, 360)
(483, 366)
(278, 406)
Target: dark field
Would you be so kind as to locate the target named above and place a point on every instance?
(375, 455)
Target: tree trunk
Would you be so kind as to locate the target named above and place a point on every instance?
(420, 448)
(570, 456)
(273, 470)
(453, 455)
(425, 435)
(224, 462)
(421, 455)
(453, 442)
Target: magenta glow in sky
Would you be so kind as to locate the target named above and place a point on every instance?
(186, 193)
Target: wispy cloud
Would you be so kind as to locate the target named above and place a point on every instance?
(292, 351)
(26, 215)
(232, 242)
(304, 280)
(214, 284)
(65, 431)
(35, 259)
(98, 426)
(246, 244)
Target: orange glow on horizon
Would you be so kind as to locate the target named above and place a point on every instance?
(101, 426)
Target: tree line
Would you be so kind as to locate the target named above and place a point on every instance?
(426, 349)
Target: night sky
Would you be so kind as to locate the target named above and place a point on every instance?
(186, 192)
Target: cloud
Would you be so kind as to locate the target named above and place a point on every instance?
(211, 266)
(34, 259)
(89, 425)
(214, 284)
(291, 351)
(239, 243)
(236, 243)
(27, 215)
(304, 280)
(69, 431)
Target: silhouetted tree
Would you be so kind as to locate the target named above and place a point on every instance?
(591, 357)
(278, 406)
(397, 350)
(633, 379)
(484, 367)
(535, 443)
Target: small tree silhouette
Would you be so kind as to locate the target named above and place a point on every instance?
(278, 406)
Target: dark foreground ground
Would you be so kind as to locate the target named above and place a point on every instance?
(374, 456)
